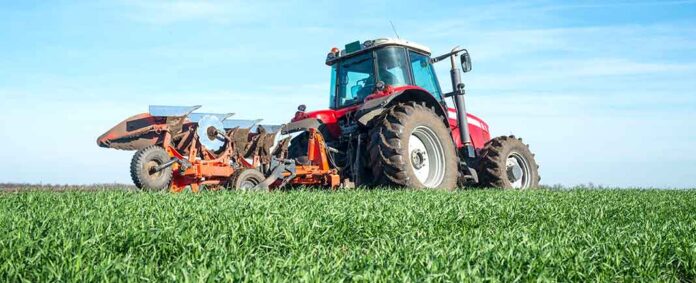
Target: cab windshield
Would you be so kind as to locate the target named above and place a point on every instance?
(353, 78)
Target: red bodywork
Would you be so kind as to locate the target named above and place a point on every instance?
(478, 129)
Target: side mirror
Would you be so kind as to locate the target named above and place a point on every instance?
(466, 61)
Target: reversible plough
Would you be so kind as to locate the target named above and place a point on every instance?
(177, 148)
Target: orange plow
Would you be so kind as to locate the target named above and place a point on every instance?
(177, 149)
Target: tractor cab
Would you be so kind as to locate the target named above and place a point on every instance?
(363, 68)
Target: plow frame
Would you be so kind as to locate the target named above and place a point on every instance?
(198, 166)
(178, 132)
(317, 172)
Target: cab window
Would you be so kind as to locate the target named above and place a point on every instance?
(392, 66)
(424, 74)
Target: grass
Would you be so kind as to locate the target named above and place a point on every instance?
(577, 235)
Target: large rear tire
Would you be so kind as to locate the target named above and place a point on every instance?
(143, 169)
(507, 163)
(411, 146)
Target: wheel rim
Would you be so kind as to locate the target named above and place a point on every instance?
(426, 156)
(518, 171)
(248, 184)
(150, 167)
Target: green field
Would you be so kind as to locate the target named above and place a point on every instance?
(577, 235)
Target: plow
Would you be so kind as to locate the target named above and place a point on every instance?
(388, 124)
(178, 149)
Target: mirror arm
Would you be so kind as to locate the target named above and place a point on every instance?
(454, 51)
(453, 58)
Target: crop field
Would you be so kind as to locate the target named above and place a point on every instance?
(381, 235)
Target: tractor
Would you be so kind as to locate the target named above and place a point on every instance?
(388, 123)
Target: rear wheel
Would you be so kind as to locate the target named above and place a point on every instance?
(508, 163)
(246, 180)
(411, 147)
(143, 169)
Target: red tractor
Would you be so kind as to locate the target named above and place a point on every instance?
(388, 124)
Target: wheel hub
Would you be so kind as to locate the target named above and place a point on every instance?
(518, 171)
(514, 170)
(248, 185)
(150, 169)
(427, 157)
(418, 158)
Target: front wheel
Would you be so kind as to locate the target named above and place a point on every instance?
(506, 162)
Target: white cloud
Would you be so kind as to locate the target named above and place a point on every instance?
(601, 41)
(606, 4)
(612, 67)
(164, 12)
(561, 74)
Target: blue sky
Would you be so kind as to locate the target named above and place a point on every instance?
(604, 91)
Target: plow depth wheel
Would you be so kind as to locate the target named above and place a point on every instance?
(143, 169)
(246, 180)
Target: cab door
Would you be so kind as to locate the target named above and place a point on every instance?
(424, 74)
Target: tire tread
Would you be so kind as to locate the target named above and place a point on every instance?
(492, 174)
(389, 166)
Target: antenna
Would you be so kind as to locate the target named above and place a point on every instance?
(394, 29)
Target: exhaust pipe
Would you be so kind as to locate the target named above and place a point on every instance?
(458, 91)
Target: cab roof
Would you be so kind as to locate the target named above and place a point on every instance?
(357, 47)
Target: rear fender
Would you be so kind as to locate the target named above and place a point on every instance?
(374, 107)
(301, 125)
